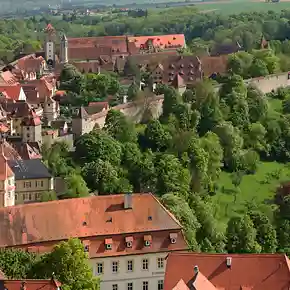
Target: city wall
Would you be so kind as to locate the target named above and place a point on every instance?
(135, 110)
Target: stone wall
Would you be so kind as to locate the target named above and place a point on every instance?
(271, 82)
(133, 110)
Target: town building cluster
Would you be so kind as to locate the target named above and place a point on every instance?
(132, 241)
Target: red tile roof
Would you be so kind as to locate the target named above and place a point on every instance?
(13, 92)
(253, 271)
(77, 218)
(7, 78)
(171, 41)
(117, 43)
(88, 53)
(30, 64)
(5, 170)
(32, 284)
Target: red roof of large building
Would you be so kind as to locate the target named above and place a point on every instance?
(171, 41)
(93, 219)
(7, 78)
(215, 272)
(31, 284)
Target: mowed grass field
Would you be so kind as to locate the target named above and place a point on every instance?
(235, 7)
(256, 191)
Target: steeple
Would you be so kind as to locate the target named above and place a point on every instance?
(63, 49)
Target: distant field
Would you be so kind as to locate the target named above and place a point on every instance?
(234, 7)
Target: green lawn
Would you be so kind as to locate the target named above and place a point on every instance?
(256, 189)
(235, 7)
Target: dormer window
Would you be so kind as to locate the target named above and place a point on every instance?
(86, 244)
(182, 65)
(173, 238)
(147, 240)
(108, 244)
(129, 242)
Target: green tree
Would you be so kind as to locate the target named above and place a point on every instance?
(181, 210)
(171, 100)
(242, 236)
(102, 177)
(70, 265)
(255, 137)
(171, 176)
(266, 233)
(97, 145)
(286, 106)
(16, 264)
(48, 196)
(258, 68)
(132, 92)
(156, 137)
(120, 127)
(75, 186)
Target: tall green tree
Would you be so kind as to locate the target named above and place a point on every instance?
(69, 264)
(242, 236)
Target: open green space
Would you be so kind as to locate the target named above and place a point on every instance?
(235, 7)
(256, 190)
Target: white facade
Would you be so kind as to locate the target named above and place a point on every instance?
(9, 191)
(147, 272)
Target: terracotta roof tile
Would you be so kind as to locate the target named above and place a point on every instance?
(214, 65)
(13, 92)
(88, 53)
(8, 78)
(259, 271)
(171, 41)
(76, 218)
(31, 284)
(181, 286)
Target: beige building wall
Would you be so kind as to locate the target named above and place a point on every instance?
(32, 133)
(30, 190)
(154, 274)
(9, 186)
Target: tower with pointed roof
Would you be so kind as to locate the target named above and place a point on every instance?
(49, 46)
(63, 49)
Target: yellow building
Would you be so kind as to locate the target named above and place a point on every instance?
(32, 178)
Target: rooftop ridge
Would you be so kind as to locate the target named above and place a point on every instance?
(246, 255)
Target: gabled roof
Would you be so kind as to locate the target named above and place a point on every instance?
(13, 92)
(83, 218)
(31, 284)
(29, 169)
(178, 82)
(247, 271)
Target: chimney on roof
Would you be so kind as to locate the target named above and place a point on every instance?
(196, 269)
(128, 200)
(229, 262)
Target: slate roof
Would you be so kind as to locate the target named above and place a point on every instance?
(247, 271)
(28, 169)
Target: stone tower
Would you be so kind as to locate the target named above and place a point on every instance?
(63, 49)
(49, 46)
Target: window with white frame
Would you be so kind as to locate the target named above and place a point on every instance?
(160, 263)
(130, 286)
(130, 266)
(160, 285)
(115, 266)
(145, 285)
(115, 287)
(145, 264)
(100, 268)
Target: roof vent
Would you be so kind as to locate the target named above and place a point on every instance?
(195, 269)
(110, 220)
(229, 262)
(149, 218)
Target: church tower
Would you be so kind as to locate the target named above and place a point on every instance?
(63, 49)
(49, 46)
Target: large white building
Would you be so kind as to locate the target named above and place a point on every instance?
(127, 236)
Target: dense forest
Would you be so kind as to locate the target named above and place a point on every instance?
(202, 30)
